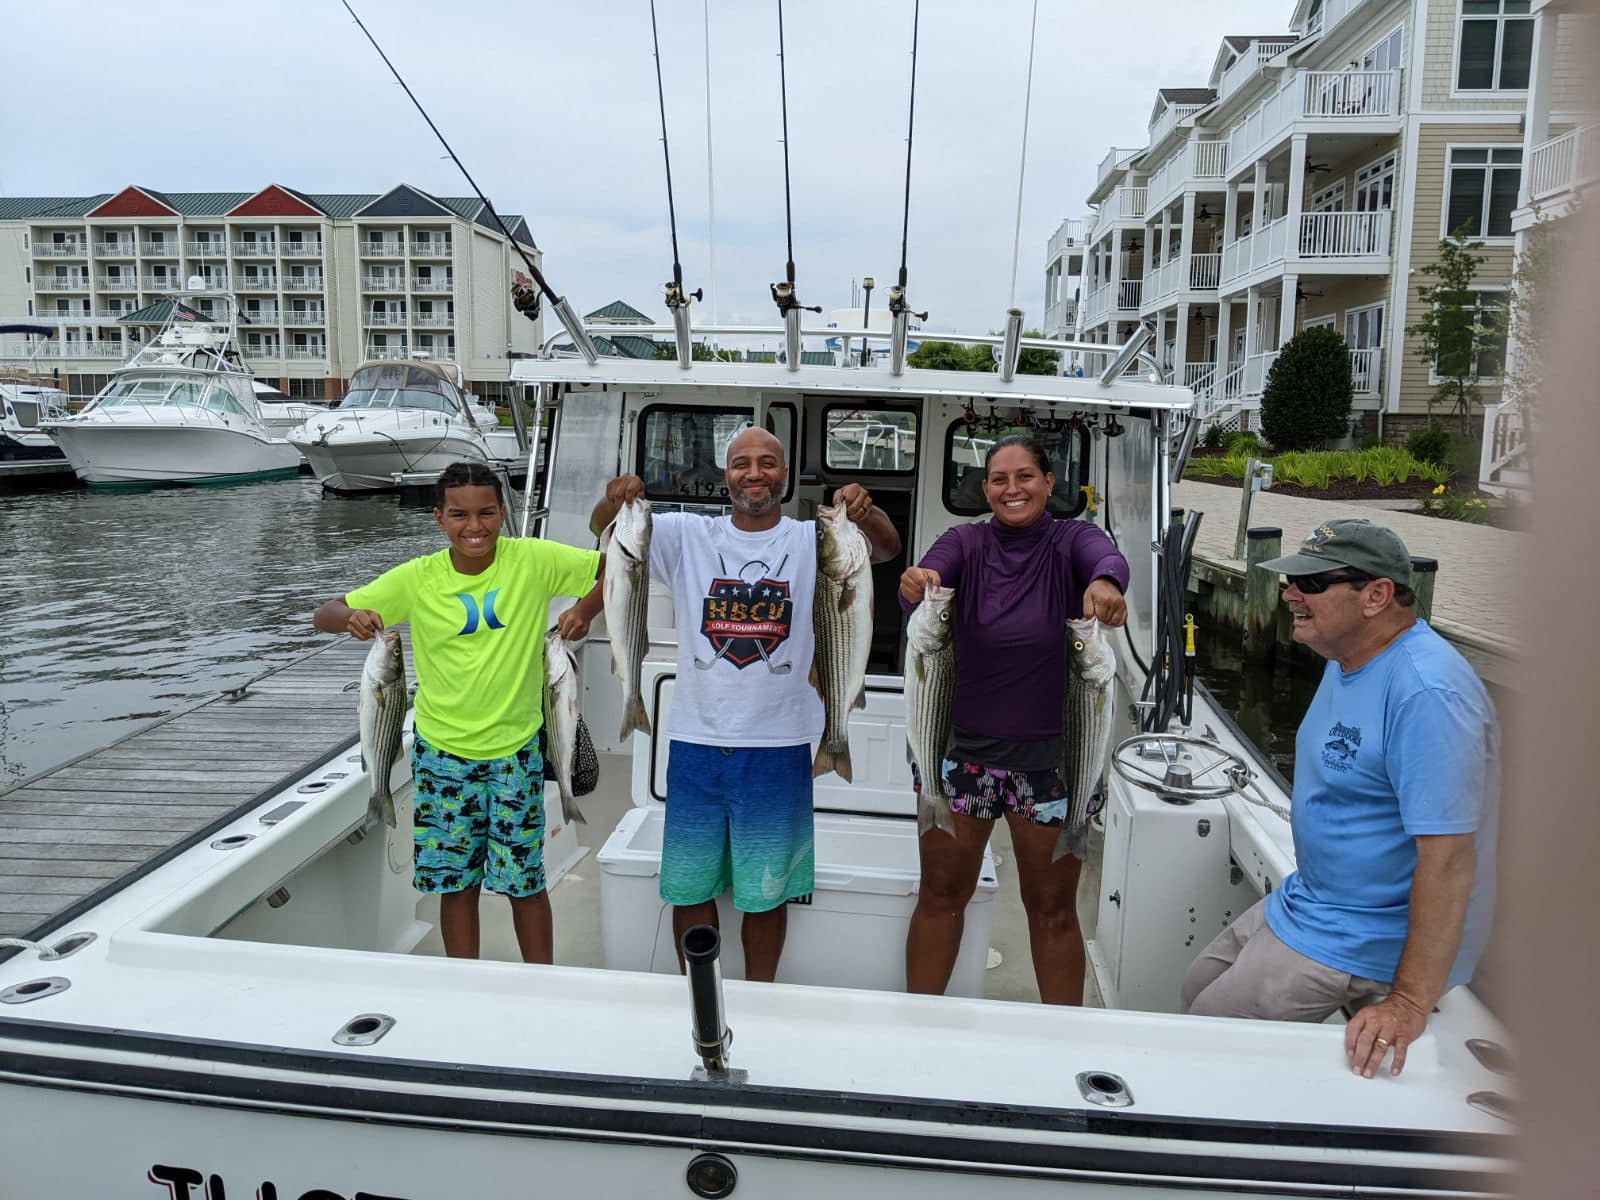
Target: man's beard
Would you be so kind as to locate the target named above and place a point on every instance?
(741, 502)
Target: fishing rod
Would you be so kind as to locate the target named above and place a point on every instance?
(526, 299)
(783, 293)
(677, 301)
(899, 307)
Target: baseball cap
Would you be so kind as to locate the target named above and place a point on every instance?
(1353, 542)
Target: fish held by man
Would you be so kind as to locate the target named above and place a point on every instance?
(562, 693)
(1087, 717)
(626, 545)
(930, 675)
(383, 703)
(841, 618)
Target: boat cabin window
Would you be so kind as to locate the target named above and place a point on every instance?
(221, 400)
(967, 441)
(673, 442)
(136, 391)
(189, 395)
(870, 441)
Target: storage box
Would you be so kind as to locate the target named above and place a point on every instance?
(851, 932)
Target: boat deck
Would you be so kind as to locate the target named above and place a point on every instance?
(65, 833)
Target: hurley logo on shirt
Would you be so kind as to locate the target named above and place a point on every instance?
(470, 603)
(748, 618)
(1339, 751)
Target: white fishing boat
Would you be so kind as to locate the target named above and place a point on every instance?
(249, 1013)
(182, 410)
(26, 402)
(401, 417)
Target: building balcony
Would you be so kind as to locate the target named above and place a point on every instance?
(385, 319)
(430, 249)
(432, 284)
(255, 249)
(1060, 318)
(1114, 158)
(1317, 101)
(1248, 380)
(206, 249)
(260, 316)
(215, 283)
(158, 249)
(1185, 273)
(383, 283)
(1249, 64)
(388, 248)
(113, 249)
(304, 316)
(262, 350)
(1196, 162)
(126, 282)
(433, 320)
(303, 283)
(1125, 203)
(307, 353)
(160, 283)
(72, 283)
(60, 350)
(1563, 163)
(1366, 371)
(1120, 298)
(60, 249)
(258, 283)
(1068, 236)
(1346, 242)
(388, 352)
(300, 249)
(1168, 120)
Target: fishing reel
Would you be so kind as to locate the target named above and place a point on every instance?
(1176, 767)
(783, 296)
(678, 298)
(899, 306)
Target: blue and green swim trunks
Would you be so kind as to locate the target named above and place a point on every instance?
(741, 817)
(478, 822)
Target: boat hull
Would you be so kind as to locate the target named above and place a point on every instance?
(368, 466)
(28, 447)
(124, 453)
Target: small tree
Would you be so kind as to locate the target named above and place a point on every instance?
(951, 356)
(1038, 362)
(1456, 337)
(1306, 401)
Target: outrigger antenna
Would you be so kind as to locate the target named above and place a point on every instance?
(677, 299)
(900, 313)
(783, 294)
(526, 299)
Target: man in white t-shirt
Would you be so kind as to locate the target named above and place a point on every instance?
(744, 711)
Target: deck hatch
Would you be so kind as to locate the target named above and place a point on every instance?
(34, 989)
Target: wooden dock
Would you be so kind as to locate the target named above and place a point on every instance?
(68, 832)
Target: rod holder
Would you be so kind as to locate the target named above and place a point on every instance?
(1011, 348)
(574, 327)
(702, 951)
(791, 338)
(899, 324)
(1124, 358)
(678, 306)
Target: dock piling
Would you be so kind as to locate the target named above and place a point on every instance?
(1424, 571)
(1261, 591)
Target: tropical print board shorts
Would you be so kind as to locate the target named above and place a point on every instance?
(478, 821)
(988, 792)
(740, 817)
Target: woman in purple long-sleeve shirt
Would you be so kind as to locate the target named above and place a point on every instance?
(1017, 577)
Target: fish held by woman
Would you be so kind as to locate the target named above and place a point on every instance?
(1086, 721)
(930, 684)
(841, 617)
(626, 545)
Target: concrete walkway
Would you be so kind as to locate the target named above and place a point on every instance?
(1480, 568)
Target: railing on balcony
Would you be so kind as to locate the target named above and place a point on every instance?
(159, 249)
(1247, 64)
(1062, 316)
(160, 283)
(1199, 377)
(262, 350)
(1068, 234)
(1128, 293)
(1564, 162)
(1115, 157)
(1365, 366)
(301, 249)
(1098, 303)
(388, 248)
(384, 283)
(215, 282)
(261, 316)
(258, 283)
(1254, 250)
(385, 317)
(1205, 271)
(430, 249)
(313, 353)
(1314, 95)
(1210, 159)
(388, 352)
(432, 284)
(303, 283)
(60, 249)
(1329, 14)
(1256, 368)
(304, 316)
(207, 249)
(59, 349)
(1125, 203)
(255, 249)
(1503, 459)
(1344, 234)
(433, 320)
(1196, 160)
(123, 249)
(1168, 120)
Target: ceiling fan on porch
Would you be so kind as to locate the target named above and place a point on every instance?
(1301, 295)
(1318, 168)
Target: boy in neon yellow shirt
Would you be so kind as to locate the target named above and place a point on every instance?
(478, 612)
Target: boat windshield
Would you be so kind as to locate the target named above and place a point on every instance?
(174, 393)
(401, 385)
(406, 397)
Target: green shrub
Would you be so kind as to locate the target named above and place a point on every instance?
(1213, 437)
(1316, 469)
(1445, 503)
(1229, 466)
(1242, 441)
(1430, 443)
(1306, 401)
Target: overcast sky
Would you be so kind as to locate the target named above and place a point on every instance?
(552, 107)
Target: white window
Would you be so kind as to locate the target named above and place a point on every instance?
(1375, 186)
(1492, 349)
(1325, 322)
(1494, 46)
(1481, 189)
(1330, 198)
(1386, 54)
(1363, 327)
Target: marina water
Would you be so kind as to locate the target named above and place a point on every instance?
(123, 606)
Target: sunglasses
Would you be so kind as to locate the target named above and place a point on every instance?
(1315, 585)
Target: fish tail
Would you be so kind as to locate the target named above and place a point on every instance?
(837, 761)
(634, 717)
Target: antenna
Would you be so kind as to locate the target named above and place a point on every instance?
(526, 299)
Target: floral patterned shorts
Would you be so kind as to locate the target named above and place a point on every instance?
(987, 792)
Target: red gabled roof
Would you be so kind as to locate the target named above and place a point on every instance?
(275, 201)
(133, 202)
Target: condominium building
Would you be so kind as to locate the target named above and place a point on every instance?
(1309, 182)
(323, 281)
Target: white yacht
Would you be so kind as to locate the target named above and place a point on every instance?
(26, 401)
(400, 417)
(182, 410)
(250, 1010)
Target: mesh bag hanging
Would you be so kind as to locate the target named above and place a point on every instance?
(585, 762)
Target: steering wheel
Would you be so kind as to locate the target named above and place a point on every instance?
(1177, 766)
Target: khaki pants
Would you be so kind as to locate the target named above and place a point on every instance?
(1247, 971)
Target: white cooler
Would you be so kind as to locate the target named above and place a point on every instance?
(851, 932)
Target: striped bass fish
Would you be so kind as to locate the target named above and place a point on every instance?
(383, 704)
(1086, 723)
(562, 690)
(626, 545)
(930, 675)
(841, 617)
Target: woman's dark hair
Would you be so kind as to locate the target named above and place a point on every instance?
(466, 474)
(1028, 442)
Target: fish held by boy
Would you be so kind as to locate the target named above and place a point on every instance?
(626, 545)
(562, 690)
(383, 703)
(841, 618)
